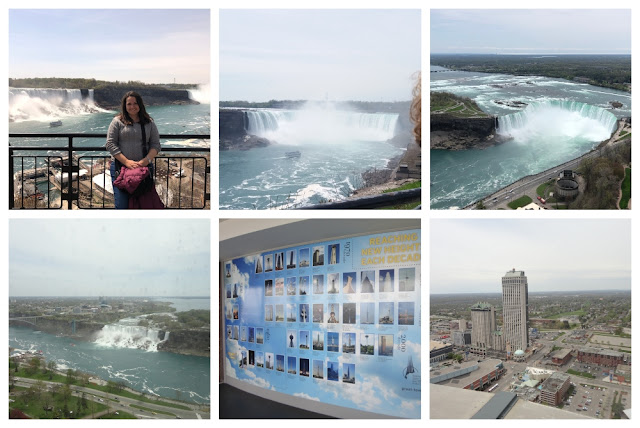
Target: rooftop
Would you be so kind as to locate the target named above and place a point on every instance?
(602, 351)
(461, 375)
(514, 273)
(555, 382)
(562, 353)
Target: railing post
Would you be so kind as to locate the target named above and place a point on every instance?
(69, 175)
(11, 181)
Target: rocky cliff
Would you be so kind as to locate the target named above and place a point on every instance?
(188, 342)
(84, 330)
(233, 134)
(110, 97)
(456, 133)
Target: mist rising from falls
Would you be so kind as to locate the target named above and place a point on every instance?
(201, 94)
(320, 124)
(130, 336)
(49, 104)
(552, 120)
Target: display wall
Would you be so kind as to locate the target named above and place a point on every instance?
(335, 321)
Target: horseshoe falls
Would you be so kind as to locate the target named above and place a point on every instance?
(335, 147)
(562, 120)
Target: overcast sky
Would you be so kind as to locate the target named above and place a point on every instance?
(366, 55)
(522, 31)
(132, 257)
(556, 255)
(152, 46)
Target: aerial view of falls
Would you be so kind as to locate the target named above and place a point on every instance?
(335, 148)
(546, 121)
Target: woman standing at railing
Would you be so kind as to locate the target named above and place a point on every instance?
(126, 145)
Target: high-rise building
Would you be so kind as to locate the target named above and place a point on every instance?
(515, 315)
(483, 320)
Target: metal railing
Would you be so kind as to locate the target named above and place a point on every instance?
(66, 177)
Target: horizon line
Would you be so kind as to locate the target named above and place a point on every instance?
(548, 291)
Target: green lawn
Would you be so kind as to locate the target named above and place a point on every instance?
(540, 191)
(408, 186)
(34, 406)
(520, 202)
(626, 189)
(582, 374)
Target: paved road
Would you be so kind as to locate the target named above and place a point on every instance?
(123, 403)
(529, 184)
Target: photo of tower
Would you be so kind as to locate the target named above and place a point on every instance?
(279, 261)
(228, 288)
(385, 345)
(367, 313)
(367, 280)
(318, 256)
(334, 254)
(259, 335)
(304, 285)
(280, 363)
(367, 342)
(304, 312)
(259, 264)
(268, 360)
(304, 367)
(333, 341)
(235, 291)
(386, 313)
(347, 282)
(349, 373)
(268, 263)
(332, 371)
(236, 331)
(304, 339)
(268, 287)
(334, 313)
(252, 357)
(385, 280)
(235, 312)
(406, 313)
(318, 369)
(291, 286)
(318, 284)
(333, 283)
(292, 339)
(407, 279)
(292, 310)
(260, 359)
(252, 334)
(348, 343)
(318, 341)
(280, 313)
(229, 332)
(228, 269)
(268, 312)
(291, 259)
(229, 312)
(318, 312)
(279, 286)
(291, 365)
(349, 313)
(243, 334)
(243, 359)
(304, 257)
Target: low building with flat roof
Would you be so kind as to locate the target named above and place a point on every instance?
(561, 357)
(554, 388)
(438, 351)
(601, 357)
(469, 375)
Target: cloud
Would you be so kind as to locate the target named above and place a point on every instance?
(307, 396)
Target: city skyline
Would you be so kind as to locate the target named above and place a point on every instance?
(470, 256)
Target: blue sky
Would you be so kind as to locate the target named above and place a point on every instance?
(522, 31)
(556, 255)
(367, 55)
(132, 257)
(153, 46)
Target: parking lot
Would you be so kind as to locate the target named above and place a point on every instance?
(589, 400)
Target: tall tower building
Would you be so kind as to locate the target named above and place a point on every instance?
(515, 302)
(483, 320)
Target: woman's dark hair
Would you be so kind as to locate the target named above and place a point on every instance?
(124, 115)
(416, 110)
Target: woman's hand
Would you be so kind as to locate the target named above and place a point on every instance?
(131, 164)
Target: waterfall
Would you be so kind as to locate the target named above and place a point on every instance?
(49, 104)
(320, 125)
(560, 117)
(130, 336)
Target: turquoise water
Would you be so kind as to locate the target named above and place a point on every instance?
(564, 120)
(156, 373)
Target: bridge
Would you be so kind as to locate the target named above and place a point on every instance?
(29, 320)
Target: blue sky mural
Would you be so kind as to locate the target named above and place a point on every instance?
(346, 347)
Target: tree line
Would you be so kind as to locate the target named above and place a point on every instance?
(79, 83)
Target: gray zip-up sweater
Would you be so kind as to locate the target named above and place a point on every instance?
(127, 139)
